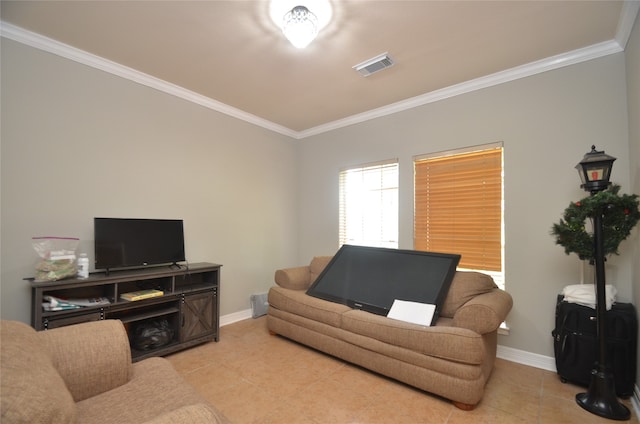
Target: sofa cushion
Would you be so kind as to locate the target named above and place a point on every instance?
(465, 286)
(317, 265)
(32, 390)
(299, 303)
(155, 389)
(451, 343)
(435, 365)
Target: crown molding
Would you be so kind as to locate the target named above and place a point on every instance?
(627, 19)
(41, 42)
(533, 68)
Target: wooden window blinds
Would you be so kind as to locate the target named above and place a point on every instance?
(458, 207)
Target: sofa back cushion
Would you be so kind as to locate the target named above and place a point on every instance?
(465, 286)
(317, 265)
(32, 390)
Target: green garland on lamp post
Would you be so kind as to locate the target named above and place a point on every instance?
(620, 215)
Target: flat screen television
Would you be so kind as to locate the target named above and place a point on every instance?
(132, 242)
(371, 278)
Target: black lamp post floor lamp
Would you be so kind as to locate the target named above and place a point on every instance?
(600, 398)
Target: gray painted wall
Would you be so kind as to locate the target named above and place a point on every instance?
(547, 123)
(79, 143)
(633, 98)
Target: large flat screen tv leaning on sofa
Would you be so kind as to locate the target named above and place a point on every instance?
(371, 278)
(134, 242)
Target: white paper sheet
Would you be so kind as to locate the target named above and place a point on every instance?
(413, 312)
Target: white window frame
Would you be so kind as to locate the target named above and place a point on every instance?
(368, 212)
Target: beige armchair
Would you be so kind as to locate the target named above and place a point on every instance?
(83, 374)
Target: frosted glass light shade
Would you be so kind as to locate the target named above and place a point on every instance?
(300, 26)
(300, 20)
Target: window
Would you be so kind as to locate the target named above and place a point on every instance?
(459, 207)
(369, 205)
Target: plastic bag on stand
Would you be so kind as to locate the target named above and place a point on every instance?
(57, 257)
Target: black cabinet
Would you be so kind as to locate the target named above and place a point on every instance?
(188, 311)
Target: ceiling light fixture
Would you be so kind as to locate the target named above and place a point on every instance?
(297, 20)
(300, 26)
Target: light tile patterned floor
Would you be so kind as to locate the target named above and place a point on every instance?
(254, 377)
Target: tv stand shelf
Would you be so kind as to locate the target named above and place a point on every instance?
(190, 303)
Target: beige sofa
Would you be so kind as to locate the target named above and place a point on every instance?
(83, 374)
(452, 359)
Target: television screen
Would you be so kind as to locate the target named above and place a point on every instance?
(125, 242)
(371, 278)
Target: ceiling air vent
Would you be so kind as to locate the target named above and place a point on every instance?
(375, 64)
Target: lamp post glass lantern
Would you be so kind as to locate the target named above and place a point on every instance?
(595, 170)
(600, 398)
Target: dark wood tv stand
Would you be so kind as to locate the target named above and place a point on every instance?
(190, 303)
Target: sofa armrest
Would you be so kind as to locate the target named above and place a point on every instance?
(196, 414)
(91, 357)
(297, 278)
(484, 313)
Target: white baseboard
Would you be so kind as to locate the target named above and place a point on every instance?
(235, 317)
(527, 358)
